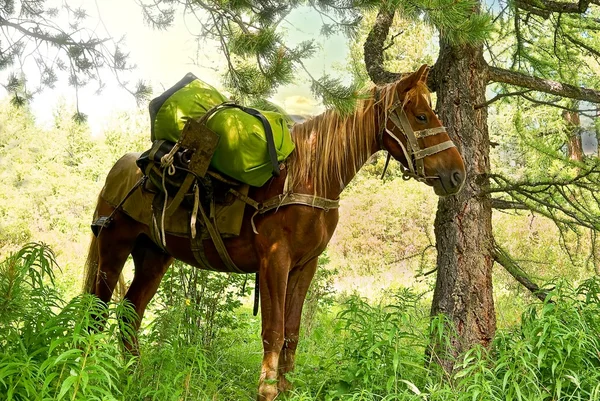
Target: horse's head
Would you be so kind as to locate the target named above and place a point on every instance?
(414, 136)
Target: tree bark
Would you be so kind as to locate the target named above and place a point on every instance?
(597, 128)
(373, 48)
(574, 144)
(463, 224)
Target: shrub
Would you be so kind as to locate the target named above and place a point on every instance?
(51, 349)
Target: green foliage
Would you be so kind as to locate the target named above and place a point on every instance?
(337, 95)
(552, 355)
(194, 306)
(50, 354)
(321, 293)
(50, 179)
(532, 168)
(54, 350)
(383, 343)
(455, 20)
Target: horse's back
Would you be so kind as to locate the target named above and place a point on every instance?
(121, 178)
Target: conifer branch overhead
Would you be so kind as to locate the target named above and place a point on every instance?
(545, 8)
(502, 257)
(374, 48)
(516, 78)
(570, 202)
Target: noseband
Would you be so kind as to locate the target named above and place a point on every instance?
(414, 154)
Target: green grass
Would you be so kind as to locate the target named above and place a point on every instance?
(355, 349)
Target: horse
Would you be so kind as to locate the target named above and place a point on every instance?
(283, 245)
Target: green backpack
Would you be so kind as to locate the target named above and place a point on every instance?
(242, 151)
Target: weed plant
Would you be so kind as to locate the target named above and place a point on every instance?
(354, 350)
(49, 349)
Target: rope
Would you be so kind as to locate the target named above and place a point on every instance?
(167, 160)
(195, 210)
(166, 163)
(162, 234)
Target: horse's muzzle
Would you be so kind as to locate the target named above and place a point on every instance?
(449, 183)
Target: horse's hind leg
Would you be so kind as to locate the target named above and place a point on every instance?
(298, 284)
(115, 243)
(151, 264)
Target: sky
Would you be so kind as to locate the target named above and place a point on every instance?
(164, 57)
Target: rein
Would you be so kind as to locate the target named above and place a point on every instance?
(414, 154)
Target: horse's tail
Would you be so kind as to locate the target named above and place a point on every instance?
(90, 273)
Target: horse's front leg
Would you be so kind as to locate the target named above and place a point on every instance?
(298, 284)
(273, 277)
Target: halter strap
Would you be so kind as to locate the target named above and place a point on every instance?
(414, 155)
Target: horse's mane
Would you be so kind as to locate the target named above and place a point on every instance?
(329, 145)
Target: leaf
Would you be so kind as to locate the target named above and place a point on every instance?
(67, 354)
(67, 384)
(411, 386)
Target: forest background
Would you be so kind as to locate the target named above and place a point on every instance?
(371, 300)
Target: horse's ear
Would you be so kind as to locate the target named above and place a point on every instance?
(423, 73)
(410, 80)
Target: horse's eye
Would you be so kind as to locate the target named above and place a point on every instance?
(421, 118)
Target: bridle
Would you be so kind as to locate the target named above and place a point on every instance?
(413, 152)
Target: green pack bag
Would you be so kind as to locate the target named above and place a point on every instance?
(188, 98)
(242, 152)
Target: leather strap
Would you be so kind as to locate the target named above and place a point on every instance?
(433, 150)
(288, 199)
(218, 241)
(183, 190)
(269, 133)
(430, 132)
(272, 150)
(298, 199)
(256, 295)
(414, 153)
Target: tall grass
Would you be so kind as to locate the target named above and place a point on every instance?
(49, 349)
(355, 350)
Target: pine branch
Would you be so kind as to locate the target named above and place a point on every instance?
(516, 78)
(584, 112)
(374, 48)
(501, 204)
(579, 43)
(62, 41)
(547, 7)
(501, 96)
(570, 202)
(512, 267)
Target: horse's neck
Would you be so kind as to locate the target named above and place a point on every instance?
(352, 170)
(353, 162)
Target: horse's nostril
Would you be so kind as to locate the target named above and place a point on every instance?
(456, 178)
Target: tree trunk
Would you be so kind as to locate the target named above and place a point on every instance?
(597, 129)
(574, 144)
(463, 227)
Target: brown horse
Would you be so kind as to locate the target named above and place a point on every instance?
(284, 244)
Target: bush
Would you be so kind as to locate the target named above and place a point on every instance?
(53, 350)
(553, 355)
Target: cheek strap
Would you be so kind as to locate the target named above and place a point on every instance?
(415, 152)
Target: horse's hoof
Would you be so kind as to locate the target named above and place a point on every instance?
(267, 391)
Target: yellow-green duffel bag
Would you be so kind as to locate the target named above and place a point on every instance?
(243, 151)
